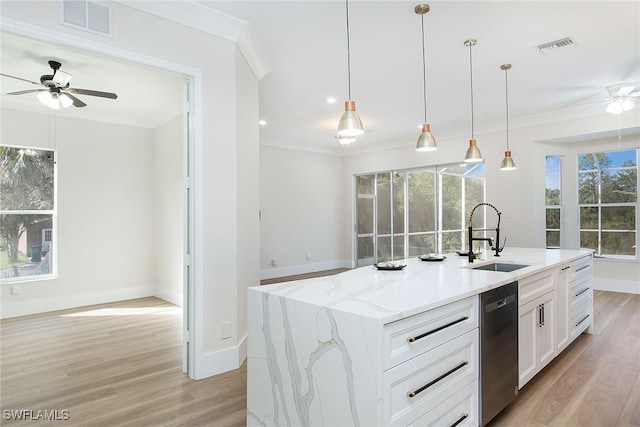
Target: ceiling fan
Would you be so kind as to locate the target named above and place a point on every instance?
(56, 91)
(623, 96)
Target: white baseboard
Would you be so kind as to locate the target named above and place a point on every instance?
(42, 305)
(221, 361)
(169, 296)
(302, 269)
(614, 285)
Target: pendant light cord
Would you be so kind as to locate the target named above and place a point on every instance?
(424, 72)
(471, 74)
(506, 101)
(348, 52)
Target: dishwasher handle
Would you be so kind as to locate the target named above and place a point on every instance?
(498, 304)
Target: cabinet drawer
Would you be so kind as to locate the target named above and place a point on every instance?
(534, 286)
(422, 383)
(414, 335)
(580, 291)
(580, 268)
(581, 318)
(461, 409)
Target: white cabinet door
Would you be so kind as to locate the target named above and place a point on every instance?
(562, 307)
(536, 336)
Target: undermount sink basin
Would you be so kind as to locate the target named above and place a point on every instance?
(500, 266)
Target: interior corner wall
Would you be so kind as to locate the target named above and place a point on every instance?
(301, 200)
(104, 237)
(168, 206)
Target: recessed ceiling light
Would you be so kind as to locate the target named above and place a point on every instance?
(331, 100)
(262, 122)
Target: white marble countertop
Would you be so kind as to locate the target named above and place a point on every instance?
(420, 286)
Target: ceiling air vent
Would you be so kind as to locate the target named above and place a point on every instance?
(88, 15)
(555, 45)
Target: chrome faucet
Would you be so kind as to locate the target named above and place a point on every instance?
(497, 248)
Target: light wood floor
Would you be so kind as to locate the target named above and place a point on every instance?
(120, 364)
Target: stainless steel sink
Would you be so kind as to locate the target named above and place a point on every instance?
(500, 266)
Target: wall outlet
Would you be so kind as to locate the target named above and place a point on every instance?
(274, 262)
(308, 257)
(226, 330)
(16, 290)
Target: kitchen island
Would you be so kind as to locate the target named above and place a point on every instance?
(351, 349)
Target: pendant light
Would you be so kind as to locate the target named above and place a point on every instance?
(473, 152)
(350, 123)
(426, 140)
(507, 163)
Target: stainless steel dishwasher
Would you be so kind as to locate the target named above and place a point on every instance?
(498, 349)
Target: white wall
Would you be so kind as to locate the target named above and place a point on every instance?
(104, 190)
(303, 214)
(168, 204)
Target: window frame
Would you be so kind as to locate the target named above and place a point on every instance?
(53, 247)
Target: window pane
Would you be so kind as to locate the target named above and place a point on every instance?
(26, 245)
(365, 215)
(618, 218)
(398, 247)
(618, 243)
(586, 162)
(589, 240)
(588, 187)
(619, 186)
(621, 158)
(422, 244)
(384, 248)
(552, 165)
(451, 202)
(452, 241)
(365, 184)
(26, 179)
(553, 239)
(589, 218)
(398, 202)
(421, 201)
(553, 218)
(365, 248)
(383, 197)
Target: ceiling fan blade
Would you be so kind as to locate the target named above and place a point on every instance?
(92, 93)
(22, 92)
(76, 101)
(19, 78)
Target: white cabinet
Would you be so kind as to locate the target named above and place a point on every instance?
(562, 307)
(536, 336)
(536, 326)
(580, 297)
(429, 360)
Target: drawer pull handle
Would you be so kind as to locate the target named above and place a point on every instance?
(583, 319)
(582, 292)
(565, 268)
(541, 315)
(582, 268)
(459, 420)
(441, 377)
(426, 334)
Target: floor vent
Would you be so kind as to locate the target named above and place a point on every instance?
(555, 45)
(88, 15)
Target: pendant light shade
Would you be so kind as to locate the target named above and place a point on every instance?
(426, 140)
(507, 162)
(350, 124)
(473, 152)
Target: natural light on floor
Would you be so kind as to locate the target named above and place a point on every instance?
(122, 311)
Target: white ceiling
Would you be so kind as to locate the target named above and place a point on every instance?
(304, 43)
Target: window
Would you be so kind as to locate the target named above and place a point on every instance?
(27, 213)
(401, 214)
(608, 202)
(553, 200)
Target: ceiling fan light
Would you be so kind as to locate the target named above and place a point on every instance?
(45, 97)
(65, 101)
(54, 104)
(345, 140)
(507, 163)
(473, 153)
(350, 123)
(426, 140)
(61, 79)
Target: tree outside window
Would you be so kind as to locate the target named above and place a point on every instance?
(608, 202)
(553, 200)
(27, 213)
